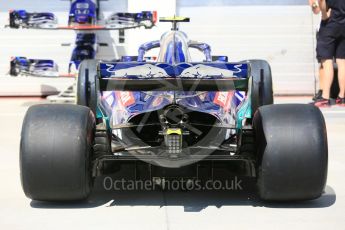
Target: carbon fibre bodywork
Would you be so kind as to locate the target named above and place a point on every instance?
(83, 12)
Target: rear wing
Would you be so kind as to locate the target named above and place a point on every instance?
(141, 76)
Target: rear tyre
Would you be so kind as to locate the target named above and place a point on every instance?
(87, 96)
(262, 89)
(292, 152)
(55, 151)
(86, 86)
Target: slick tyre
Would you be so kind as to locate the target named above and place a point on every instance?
(55, 151)
(262, 89)
(86, 84)
(292, 152)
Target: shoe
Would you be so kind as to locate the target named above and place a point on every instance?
(318, 95)
(340, 101)
(322, 102)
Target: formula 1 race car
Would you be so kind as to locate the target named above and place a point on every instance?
(33, 67)
(174, 118)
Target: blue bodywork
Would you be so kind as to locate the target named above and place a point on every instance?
(132, 20)
(83, 12)
(84, 49)
(174, 61)
(22, 18)
(137, 17)
(24, 15)
(24, 63)
(35, 67)
(173, 111)
(85, 39)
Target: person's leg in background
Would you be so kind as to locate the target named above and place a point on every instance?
(318, 94)
(341, 79)
(340, 58)
(317, 8)
(325, 49)
(326, 80)
(321, 77)
(328, 73)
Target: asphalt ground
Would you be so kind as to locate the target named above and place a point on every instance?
(167, 209)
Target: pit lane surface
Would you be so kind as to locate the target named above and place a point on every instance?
(167, 210)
